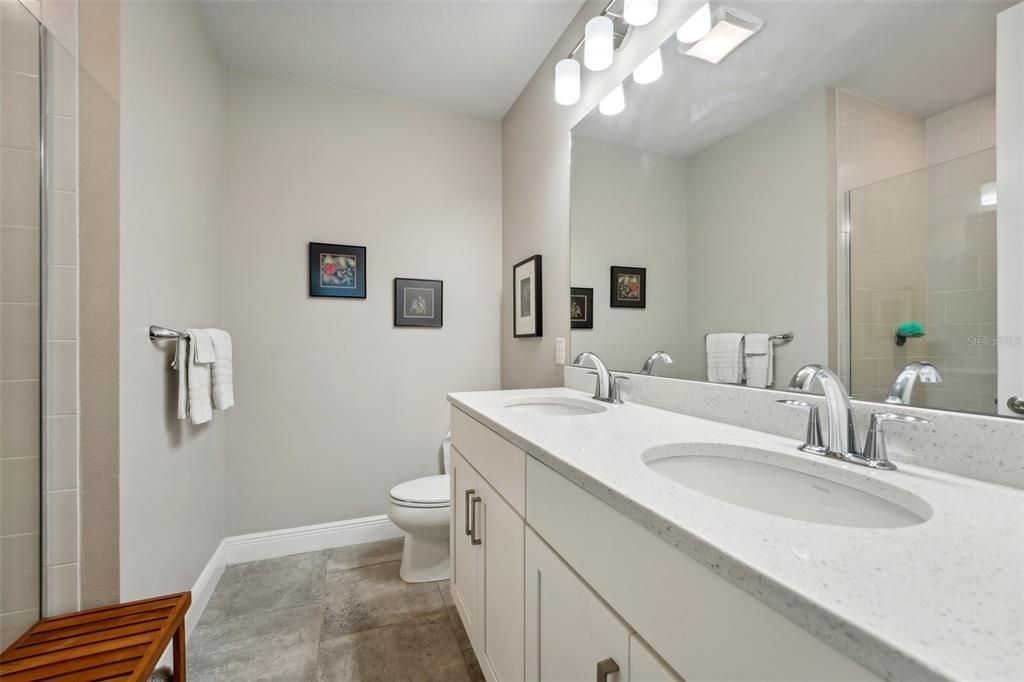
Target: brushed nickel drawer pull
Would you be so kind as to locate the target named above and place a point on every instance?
(467, 505)
(606, 668)
(476, 540)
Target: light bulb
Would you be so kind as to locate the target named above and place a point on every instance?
(696, 27)
(598, 43)
(649, 70)
(639, 12)
(567, 82)
(614, 102)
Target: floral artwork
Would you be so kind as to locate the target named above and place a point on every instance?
(419, 302)
(628, 287)
(337, 270)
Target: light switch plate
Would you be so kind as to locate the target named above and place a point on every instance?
(560, 351)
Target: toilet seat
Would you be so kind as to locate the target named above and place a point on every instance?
(429, 492)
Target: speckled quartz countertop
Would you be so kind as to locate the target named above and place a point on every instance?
(943, 599)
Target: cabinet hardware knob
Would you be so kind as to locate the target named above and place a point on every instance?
(475, 540)
(467, 505)
(606, 668)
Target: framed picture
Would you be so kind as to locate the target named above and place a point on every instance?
(581, 308)
(629, 287)
(337, 270)
(527, 317)
(419, 302)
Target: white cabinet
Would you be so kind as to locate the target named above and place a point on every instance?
(570, 632)
(465, 559)
(647, 666)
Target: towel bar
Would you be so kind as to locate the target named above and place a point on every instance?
(158, 333)
(775, 338)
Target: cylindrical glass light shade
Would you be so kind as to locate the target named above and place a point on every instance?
(614, 102)
(649, 70)
(639, 12)
(567, 82)
(598, 43)
(696, 27)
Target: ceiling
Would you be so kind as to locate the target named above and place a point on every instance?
(918, 56)
(470, 56)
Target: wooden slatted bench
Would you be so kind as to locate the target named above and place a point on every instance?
(119, 642)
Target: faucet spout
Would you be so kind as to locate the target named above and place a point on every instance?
(903, 384)
(653, 358)
(841, 441)
(605, 388)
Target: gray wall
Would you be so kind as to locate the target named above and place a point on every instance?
(172, 173)
(335, 406)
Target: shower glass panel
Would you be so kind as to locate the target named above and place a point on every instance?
(21, 237)
(923, 249)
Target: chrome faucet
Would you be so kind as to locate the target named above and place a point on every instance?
(841, 441)
(903, 384)
(607, 388)
(653, 358)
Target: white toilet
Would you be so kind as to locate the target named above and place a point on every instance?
(420, 508)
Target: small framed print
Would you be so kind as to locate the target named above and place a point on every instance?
(629, 287)
(419, 302)
(527, 316)
(581, 308)
(337, 270)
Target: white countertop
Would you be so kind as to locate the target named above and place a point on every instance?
(943, 599)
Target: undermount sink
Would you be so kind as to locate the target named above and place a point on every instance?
(786, 486)
(553, 406)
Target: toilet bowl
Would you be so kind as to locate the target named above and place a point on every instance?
(420, 507)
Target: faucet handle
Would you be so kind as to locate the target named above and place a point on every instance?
(875, 453)
(616, 397)
(813, 441)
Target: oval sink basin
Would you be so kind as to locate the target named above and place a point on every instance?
(553, 406)
(773, 483)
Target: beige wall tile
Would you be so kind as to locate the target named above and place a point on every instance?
(62, 237)
(950, 274)
(61, 79)
(61, 542)
(61, 452)
(62, 303)
(19, 39)
(62, 378)
(19, 339)
(13, 624)
(978, 305)
(19, 419)
(61, 18)
(61, 589)
(19, 497)
(987, 271)
(19, 590)
(19, 110)
(19, 265)
(19, 187)
(62, 169)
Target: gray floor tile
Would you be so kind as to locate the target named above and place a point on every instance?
(267, 586)
(356, 556)
(424, 650)
(461, 636)
(473, 666)
(281, 645)
(374, 596)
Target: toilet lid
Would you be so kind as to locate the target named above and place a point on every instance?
(427, 490)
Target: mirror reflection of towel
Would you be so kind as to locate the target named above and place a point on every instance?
(758, 360)
(725, 358)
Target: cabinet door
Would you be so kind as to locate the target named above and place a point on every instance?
(569, 630)
(465, 559)
(647, 666)
(502, 532)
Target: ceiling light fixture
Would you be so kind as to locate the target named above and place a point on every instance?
(639, 12)
(730, 29)
(567, 82)
(598, 43)
(614, 102)
(696, 27)
(649, 70)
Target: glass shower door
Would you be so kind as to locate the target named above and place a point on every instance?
(21, 237)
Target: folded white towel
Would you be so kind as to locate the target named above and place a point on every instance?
(200, 407)
(725, 358)
(180, 364)
(223, 373)
(758, 358)
(202, 346)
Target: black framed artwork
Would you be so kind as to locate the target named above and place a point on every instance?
(527, 316)
(581, 308)
(419, 302)
(628, 287)
(337, 270)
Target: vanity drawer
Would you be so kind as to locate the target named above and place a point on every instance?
(497, 460)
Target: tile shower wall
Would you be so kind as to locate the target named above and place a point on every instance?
(19, 321)
(885, 239)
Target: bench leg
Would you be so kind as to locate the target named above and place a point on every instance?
(180, 666)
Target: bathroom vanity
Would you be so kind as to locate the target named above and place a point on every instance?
(625, 542)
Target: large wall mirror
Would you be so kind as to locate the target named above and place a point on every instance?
(827, 189)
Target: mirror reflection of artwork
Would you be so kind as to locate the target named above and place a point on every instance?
(337, 270)
(629, 287)
(526, 305)
(581, 308)
(419, 302)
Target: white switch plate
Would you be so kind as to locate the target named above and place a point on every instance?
(560, 351)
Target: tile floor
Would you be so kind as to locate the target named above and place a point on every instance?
(340, 614)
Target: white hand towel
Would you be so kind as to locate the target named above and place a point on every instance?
(180, 364)
(202, 346)
(223, 373)
(758, 357)
(200, 408)
(725, 358)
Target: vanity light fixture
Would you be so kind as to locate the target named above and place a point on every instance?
(598, 43)
(567, 82)
(614, 102)
(988, 194)
(649, 70)
(730, 29)
(639, 12)
(696, 27)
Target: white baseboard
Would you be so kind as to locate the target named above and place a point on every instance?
(204, 587)
(278, 543)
